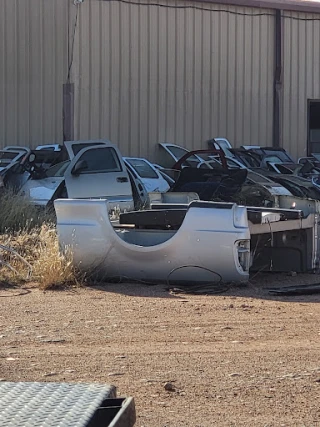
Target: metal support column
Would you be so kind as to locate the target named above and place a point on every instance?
(68, 112)
(277, 99)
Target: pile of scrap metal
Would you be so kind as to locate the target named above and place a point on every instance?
(263, 184)
(197, 231)
(20, 164)
(216, 213)
(80, 169)
(183, 241)
(200, 242)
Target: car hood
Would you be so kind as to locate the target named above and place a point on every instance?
(41, 191)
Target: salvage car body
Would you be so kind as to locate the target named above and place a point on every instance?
(31, 164)
(147, 173)
(285, 239)
(95, 170)
(9, 157)
(298, 186)
(259, 190)
(169, 154)
(212, 242)
(282, 239)
(233, 184)
(50, 147)
(265, 154)
(24, 150)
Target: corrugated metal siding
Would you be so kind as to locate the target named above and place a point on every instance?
(301, 77)
(33, 66)
(146, 74)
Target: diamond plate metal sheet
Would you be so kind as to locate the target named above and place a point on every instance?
(25, 404)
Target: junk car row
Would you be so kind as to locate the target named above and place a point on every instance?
(204, 215)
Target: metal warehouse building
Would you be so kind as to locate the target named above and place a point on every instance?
(141, 72)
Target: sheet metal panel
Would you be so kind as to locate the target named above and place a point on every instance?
(301, 70)
(33, 67)
(146, 74)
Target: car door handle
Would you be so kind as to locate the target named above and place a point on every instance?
(122, 179)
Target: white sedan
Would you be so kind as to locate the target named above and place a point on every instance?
(147, 173)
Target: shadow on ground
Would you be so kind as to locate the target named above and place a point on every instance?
(258, 288)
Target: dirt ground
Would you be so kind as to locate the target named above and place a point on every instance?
(240, 358)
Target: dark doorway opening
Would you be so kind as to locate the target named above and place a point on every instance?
(313, 126)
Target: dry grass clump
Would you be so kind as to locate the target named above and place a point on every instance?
(31, 234)
(46, 264)
(17, 213)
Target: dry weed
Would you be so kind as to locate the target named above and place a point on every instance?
(30, 232)
(40, 248)
(17, 213)
(51, 267)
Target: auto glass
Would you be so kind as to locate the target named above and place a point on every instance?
(282, 156)
(232, 164)
(57, 170)
(76, 148)
(255, 177)
(143, 169)
(294, 189)
(7, 155)
(4, 162)
(248, 160)
(179, 152)
(131, 171)
(101, 160)
(273, 159)
(168, 178)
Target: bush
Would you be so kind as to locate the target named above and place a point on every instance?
(32, 234)
(40, 249)
(17, 213)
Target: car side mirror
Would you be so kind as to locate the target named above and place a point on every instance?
(31, 158)
(79, 167)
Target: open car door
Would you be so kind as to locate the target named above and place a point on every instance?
(98, 171)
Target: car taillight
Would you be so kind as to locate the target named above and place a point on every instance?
(243, 249)
(240, 217)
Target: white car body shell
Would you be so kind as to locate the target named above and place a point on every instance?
(207, 247)
(154, 183)
(9, 157)
(114, 185)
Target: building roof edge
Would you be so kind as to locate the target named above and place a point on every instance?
(293, 5)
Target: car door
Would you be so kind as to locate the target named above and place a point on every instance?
(98, 171)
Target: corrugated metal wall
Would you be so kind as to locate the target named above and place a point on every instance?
(146, 74)
(301, 77)
(33, 66)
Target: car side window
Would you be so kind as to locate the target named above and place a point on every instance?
(76, 148)
(101, 160)
(143, 169)
(57, 170)
(180, 152)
